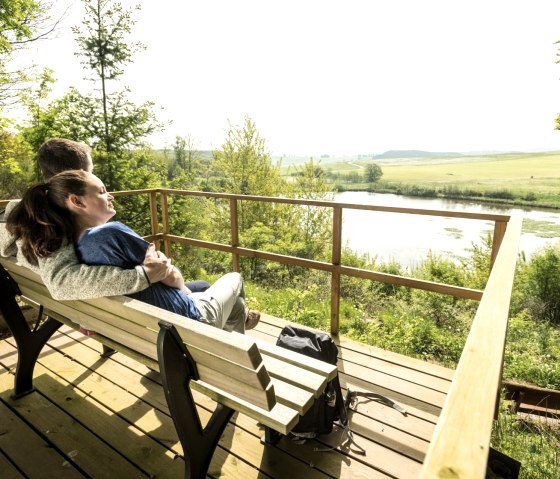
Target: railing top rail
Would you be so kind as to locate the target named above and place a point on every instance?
(460, 444)
(325, 203)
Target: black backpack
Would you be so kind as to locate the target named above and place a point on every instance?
(331, 406)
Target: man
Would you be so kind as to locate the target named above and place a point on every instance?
(63, 267)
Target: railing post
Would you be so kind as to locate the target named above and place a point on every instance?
(165, 224)
(234, 231)
(499, 232)
(335, 276)
(153, 214)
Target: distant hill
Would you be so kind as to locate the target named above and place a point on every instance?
(415, 154)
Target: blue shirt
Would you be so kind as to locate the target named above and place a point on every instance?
(116, 244)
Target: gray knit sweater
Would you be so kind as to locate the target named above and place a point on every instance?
(66, 278)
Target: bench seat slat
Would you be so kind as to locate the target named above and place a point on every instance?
(293, 397)
(313, 365)
(238, 347)
(280, 418)
(295, 375)
(240, 381)
(263, 398)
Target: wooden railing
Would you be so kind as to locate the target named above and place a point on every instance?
(460, 445)
(161, 232)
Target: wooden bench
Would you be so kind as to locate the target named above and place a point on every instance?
(270, 384)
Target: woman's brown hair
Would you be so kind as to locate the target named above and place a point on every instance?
(42, 220)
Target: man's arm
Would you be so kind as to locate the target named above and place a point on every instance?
(7, 241)
(66, 278)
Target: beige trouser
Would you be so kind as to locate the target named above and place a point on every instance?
(223, 304)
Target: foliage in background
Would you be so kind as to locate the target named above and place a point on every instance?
(243, 166)
(16, 167)
(543, 285)
(21, 23)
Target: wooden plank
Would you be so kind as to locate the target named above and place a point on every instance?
(331, 204)
(234, 346)
(334, 463)
(295, 375)
(530, 397)
(21, 444)
(315, 366)
(7, 469)
(232, 387)
(462, 440)
(293, 397)
(412, 424)
(499, 232)
(81, 447)
(398, 427)
(397, 384)
(91, 386)
(248, 456)
(308, 455)
(276, 464)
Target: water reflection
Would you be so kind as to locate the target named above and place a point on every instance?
(407, 239)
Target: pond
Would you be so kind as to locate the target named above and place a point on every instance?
(408, 239)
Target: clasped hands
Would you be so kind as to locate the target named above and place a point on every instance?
(159, 269)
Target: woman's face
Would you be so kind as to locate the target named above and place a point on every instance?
(97, 202)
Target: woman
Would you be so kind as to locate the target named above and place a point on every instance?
(74, 206)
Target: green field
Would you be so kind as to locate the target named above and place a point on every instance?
(531, 178)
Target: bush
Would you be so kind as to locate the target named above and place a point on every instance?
(500, 194)
(542, 294)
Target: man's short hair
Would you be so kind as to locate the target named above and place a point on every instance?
(59, 154)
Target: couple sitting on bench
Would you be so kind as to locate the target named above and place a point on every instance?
(73, 207)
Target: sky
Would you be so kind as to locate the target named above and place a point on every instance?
(340, 77)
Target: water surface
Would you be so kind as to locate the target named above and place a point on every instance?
(408, 239)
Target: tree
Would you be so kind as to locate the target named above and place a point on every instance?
(373, 173)
(15, 164)
(311, 224)
(21, 22)
(245, 167)
(186, 162)
(114, 123)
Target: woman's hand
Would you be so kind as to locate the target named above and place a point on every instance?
(173, 276)
(156, 265)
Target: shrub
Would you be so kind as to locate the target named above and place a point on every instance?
(500, 194)
(542, 294)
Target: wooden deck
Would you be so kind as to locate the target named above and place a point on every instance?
(107, 418)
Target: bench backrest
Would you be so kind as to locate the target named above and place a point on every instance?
(264, 381)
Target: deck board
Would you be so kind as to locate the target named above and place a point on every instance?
(105, 418)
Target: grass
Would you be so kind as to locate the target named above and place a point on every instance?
(523, 178)
(525, 172)
(534, 443)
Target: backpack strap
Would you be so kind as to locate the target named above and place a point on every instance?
(348, 402)
(352, 399)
